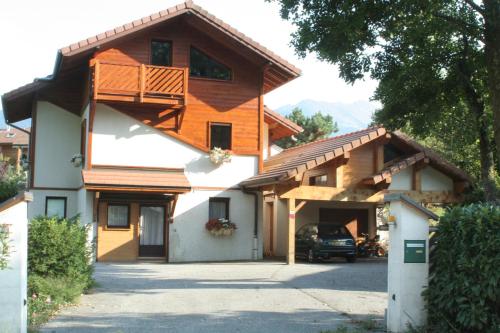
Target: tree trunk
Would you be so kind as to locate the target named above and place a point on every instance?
(485, 151)
(492, 53)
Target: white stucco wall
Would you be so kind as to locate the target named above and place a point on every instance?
(57, 140)
(13, 311)
(406, 281)
(189, 241)
(402, 181)
(37, 206)
(266, 141)
(433, 180)
(118, 139)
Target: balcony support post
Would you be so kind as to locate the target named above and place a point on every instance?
(142, 81)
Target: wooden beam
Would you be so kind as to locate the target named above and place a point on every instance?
(290, 257)
(300, 206)
(324, 193)
(416, 181)
(378, 158)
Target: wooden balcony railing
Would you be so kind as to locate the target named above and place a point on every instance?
(139, 83)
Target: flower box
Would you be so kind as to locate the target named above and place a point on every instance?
(220, 227)
(219, 156)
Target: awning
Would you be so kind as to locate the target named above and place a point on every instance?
(135, 179)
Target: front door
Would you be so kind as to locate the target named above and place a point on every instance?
(152, 231)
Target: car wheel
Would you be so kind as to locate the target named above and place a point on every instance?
(310, 256)
(351, 259)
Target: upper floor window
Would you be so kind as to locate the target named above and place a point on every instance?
(321, 180)
(161, 53)
(220, 136)
(201, 65)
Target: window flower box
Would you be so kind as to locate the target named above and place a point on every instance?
(220, 227)
(219, 156)
(77, 160)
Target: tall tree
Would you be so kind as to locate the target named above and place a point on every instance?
(430, 57)
(316, 127)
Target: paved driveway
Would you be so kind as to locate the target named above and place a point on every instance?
(255, 297)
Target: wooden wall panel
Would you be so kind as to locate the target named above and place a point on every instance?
(234, 101)
(118, 244)
(359, 166)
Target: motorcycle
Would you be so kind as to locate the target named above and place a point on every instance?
(370, 247)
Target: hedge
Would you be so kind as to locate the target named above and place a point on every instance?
(464, 289)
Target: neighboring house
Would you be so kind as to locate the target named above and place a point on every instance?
(14, 145)
(344, 179)
(144, 104)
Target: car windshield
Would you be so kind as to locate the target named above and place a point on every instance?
(326, 230)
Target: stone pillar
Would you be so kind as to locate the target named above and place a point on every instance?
(408, 264)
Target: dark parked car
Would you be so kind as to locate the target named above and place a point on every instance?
(324, 240)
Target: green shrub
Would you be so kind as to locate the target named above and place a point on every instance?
(11, 182)
(59, 265)
(464, 290)
(59, 247)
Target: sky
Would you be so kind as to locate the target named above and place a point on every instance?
(31, 32)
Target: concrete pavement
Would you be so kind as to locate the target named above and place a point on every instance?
(251, 297)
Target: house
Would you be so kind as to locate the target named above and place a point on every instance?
(124, 129)
(14, 145)
(344, 179)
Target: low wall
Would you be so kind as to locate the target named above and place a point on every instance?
(13, 279)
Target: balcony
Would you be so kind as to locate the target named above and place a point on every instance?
(131, 83)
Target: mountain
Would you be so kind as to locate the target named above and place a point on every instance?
(349, 116)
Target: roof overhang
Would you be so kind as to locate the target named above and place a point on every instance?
(279, 126)
(135, 179)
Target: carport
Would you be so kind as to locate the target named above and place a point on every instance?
(344, 179)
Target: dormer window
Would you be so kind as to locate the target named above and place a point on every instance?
(202, 65)
(161, 53)
(10, 135)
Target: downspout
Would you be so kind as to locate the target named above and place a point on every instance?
(255, 248)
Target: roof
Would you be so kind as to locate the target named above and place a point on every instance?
(285, 127)
(435, 159)
(407, 200)
(14, 136)
(298, 159)
(395, 168)
(278, 71)
(119, 178)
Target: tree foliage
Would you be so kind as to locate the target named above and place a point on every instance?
(433, 59)
(316, 127)
(464, 288)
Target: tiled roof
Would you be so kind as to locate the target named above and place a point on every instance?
(395, 168)
(140, 179)
(14, 136)
(298, 159)
(169, 13)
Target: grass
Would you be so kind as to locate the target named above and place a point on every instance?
(47, 295)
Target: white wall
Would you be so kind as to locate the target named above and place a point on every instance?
(118, 139)
(13, 311)
(37, 206)
(266, 141)
(402, 181)
(189, 241)
(57, 140)
(433, 180)
(406, 281)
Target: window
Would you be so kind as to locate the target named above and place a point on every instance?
(55, 206)
(218, 208)
(220, 136)
(201, 65)
(161, 53)
(321, 180)
(118, 216)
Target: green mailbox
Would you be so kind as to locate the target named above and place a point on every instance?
(414, 251)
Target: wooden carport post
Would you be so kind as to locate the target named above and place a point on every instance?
(290, 258)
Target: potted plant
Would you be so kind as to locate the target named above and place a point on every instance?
(220, 227)
(219, 155)
(77, 160)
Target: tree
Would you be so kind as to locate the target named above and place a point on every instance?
(316, 127)
(430, 58)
